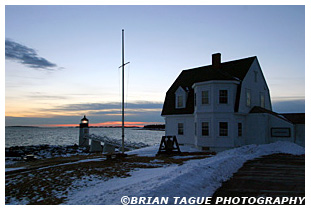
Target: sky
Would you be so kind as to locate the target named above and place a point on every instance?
(62, 62)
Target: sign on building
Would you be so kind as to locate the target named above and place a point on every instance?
(280, 132)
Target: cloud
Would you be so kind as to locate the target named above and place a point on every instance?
(144, 118)
(42, 96)
(26, 56)
(139, 111)
(112, 105)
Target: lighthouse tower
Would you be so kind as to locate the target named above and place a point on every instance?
(84, 130)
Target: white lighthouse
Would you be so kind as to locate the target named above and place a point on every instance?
(84, 130)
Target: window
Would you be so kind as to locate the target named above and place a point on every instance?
(223, 128)
(248, 98)
(205, 97)
(180, 97)
(205, 129)
(239, 129)
(255, 76)
(262, 100)
(180, 129)
(179, 101)
(223, 96)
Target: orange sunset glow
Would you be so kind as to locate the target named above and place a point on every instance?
(106, 124)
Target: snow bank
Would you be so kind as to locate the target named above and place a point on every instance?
(193, 179)
(152, 150)
(147, 151)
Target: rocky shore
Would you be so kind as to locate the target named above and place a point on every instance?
(19, 153)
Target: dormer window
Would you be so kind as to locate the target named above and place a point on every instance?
(248, 97)
(262, 100)
(180, 98)
(180, 102)
(255, 76)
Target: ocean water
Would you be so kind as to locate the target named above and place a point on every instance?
(25, 136)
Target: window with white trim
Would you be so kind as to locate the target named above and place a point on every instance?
(239, 129)
(223, 96)
(205, 129)
(204, 97)
(180, 101)
(262, 100)
(255, 76)
(248, 97)
(180, 98)
(223, 128)
(180, 129)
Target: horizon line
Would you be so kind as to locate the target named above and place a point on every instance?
(104, 124)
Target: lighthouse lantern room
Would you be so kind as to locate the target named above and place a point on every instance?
(84, 131)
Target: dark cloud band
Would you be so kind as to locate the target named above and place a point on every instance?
(26, 56)
(113, 105)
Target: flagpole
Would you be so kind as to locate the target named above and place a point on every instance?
(123, 64)
(122, 91)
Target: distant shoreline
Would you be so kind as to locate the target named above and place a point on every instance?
(136, 127)
(22, 126)
(151, 129)
(26, 126)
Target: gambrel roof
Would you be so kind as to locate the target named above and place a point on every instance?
(232, 70)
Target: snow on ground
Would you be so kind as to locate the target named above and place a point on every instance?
(152, 150)
(11, 161)
(195, 178)
(13, 169)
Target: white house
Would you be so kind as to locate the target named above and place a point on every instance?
(224, 105)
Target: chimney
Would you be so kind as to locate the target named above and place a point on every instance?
(216, 60)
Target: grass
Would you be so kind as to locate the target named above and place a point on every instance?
(48, 181)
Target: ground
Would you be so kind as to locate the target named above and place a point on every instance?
(90, 179)
(47, 181)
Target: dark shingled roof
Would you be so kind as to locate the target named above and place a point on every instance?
(232, 70)
(295, 118)
(258, 109)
